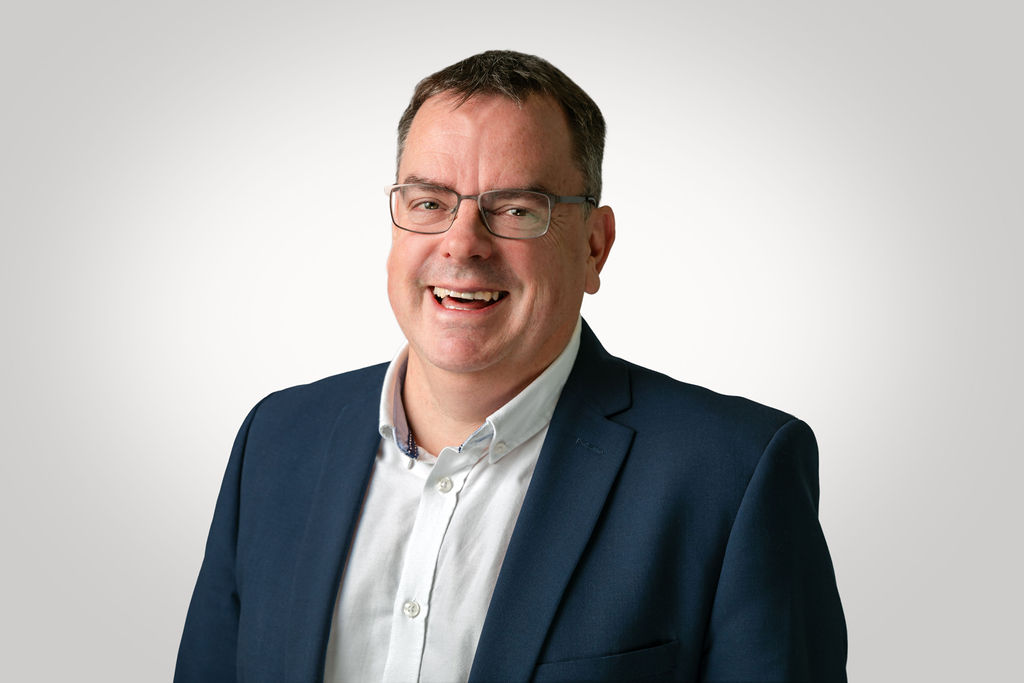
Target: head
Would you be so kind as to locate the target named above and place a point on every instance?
(468, 301)
(516, 77)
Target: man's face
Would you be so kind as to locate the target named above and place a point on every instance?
(485, 144)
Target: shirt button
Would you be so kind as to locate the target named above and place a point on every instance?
(411, 609)
(444, 485)
(500, 448)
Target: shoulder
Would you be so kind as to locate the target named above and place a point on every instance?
(652, 402)
(328, 394)
(675, 421)
(656, 397)
(688, 432)
(308, 412)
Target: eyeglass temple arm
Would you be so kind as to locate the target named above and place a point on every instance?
(574, 200)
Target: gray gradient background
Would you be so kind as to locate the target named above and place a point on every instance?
(819, 207)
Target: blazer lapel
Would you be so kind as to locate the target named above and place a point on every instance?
(578, 464)
(337, 497)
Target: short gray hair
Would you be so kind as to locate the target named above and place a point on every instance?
(517, 76)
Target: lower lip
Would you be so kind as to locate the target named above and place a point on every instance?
(466, 311)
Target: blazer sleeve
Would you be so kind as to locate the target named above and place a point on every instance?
(208, 645)
(776, 614)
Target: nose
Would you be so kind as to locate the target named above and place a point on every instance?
(468, 237)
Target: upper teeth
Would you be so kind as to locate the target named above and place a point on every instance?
(441, 292)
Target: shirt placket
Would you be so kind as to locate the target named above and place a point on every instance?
(411, 608)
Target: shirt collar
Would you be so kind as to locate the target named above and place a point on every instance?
(504, 429)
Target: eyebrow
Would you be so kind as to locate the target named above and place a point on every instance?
(409, 179)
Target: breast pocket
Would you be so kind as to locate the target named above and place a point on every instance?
(649, 664)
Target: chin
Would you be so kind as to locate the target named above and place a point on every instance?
(460, 355)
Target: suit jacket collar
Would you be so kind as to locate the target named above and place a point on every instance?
(585, 448)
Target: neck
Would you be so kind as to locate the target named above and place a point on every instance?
(444, 408)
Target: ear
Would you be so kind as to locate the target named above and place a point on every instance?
(601, 226)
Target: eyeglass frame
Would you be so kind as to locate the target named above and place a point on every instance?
(552, 200)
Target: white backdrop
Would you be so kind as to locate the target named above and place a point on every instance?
(819, 207)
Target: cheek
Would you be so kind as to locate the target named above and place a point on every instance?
(399, 275)
(567, 266)
(559, 279)
(391, 268)
(558, 253)
(402, 262)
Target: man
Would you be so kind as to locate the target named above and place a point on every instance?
(505, 501)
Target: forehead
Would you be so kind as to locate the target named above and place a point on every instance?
(491, 140)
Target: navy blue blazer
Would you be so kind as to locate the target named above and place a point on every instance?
(669, 533)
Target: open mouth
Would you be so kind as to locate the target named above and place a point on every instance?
(467, 301)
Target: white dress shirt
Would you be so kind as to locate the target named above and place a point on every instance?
(432, 535)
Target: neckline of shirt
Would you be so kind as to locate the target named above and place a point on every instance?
(505, 429)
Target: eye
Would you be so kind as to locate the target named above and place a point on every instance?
(515, 203)
(426, 201)
(512, 212)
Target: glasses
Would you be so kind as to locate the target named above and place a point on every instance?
(513, 214)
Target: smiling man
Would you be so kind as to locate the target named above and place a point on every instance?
(504, 500)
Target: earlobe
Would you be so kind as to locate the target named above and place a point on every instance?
(602, 235)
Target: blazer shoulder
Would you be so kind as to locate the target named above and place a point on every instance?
(328, 394)
(719, 437)
(701, 448)
(666, 398)
(286, 434)
(652, 402)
